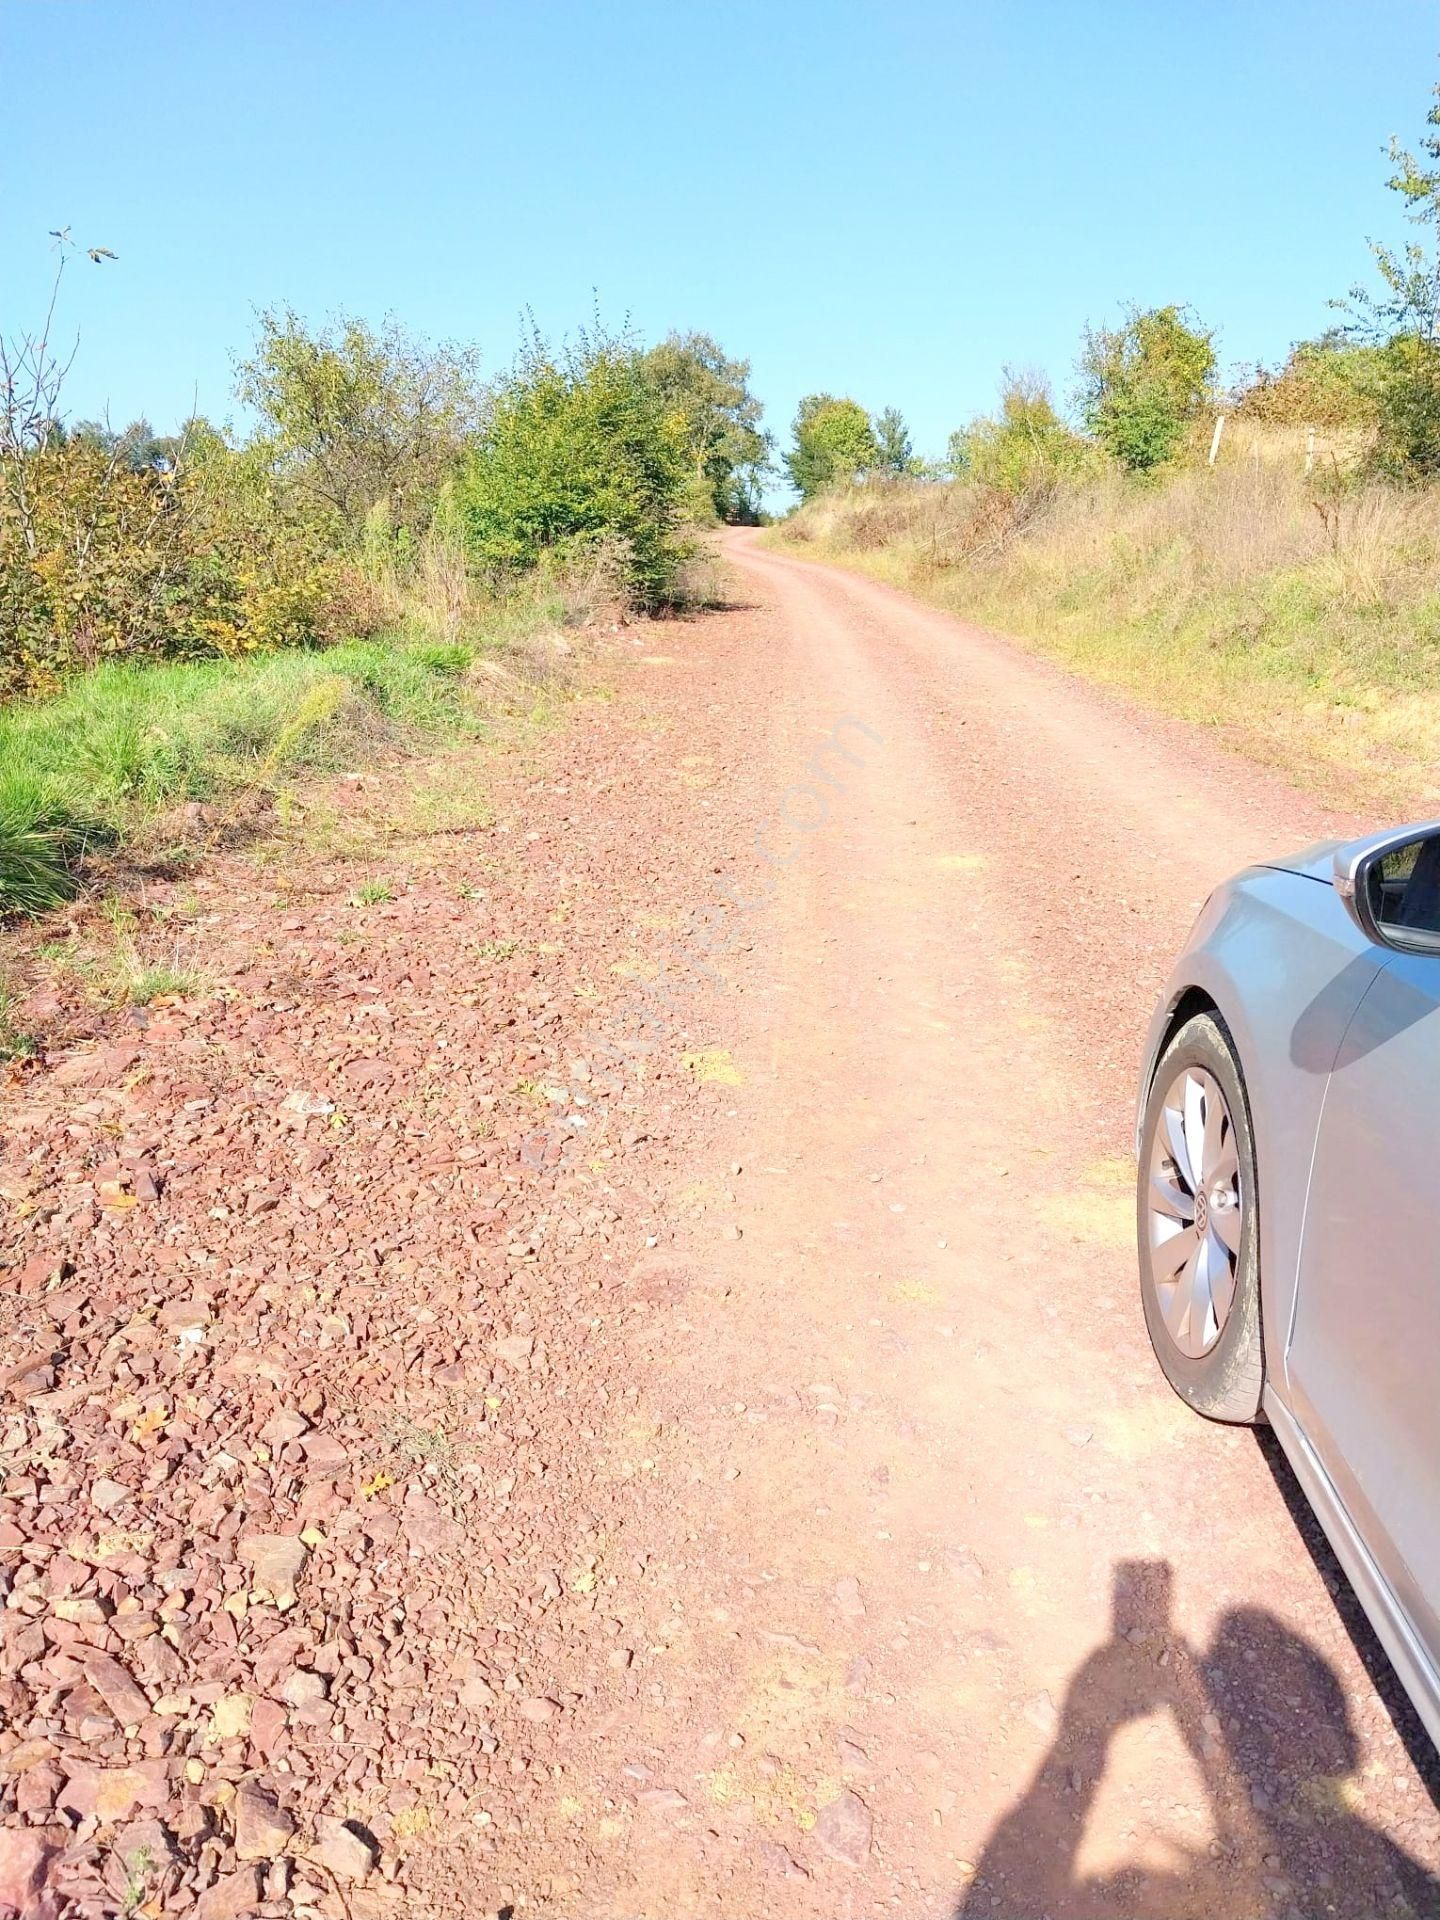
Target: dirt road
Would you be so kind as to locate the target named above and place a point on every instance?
(767, 1506)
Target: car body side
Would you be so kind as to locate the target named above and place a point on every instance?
(1275, 954)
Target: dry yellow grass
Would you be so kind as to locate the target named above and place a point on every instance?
(1302, 619)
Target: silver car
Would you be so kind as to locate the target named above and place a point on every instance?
(1289, 1201)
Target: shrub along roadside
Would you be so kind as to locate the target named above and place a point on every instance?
(576, 450)
(87, 767)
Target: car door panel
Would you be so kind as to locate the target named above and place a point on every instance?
(1363, 1363)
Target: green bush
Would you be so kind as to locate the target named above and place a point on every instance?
(1323, 383)
(1026, 449)
(100, 560)
(1407, 444)
(365, 425)
(576, 451)
(1144, 383)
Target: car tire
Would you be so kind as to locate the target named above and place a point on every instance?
(1221, 1375)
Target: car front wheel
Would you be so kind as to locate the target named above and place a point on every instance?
(1197, 1220)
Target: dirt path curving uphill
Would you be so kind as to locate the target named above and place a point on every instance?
(770, 1505)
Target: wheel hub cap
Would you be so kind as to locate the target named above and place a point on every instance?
(1194, 1211)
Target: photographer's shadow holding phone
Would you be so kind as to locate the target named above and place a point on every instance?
(1263, 1716)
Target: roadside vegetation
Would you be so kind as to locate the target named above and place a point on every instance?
(189, 619)
(1261, 554)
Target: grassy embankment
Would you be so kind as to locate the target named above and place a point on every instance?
(1302, 619)
(101, 770)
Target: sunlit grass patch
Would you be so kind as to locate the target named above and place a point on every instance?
(91, 765)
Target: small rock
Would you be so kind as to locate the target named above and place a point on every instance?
(661, 1799)
(230, 1717)
(779, 1860)
(267, 1726)
(517, 1347)
(277, 1560)
(302, 1688)
(262, 1826)
(844, 1829)
(963, 1564)
(324, 1453)
(107, 1494)
(298, 1107)
(115, 1792)
(116, 1688)
(539, 1709)
(348, 1854)
(847, 1598)
(231, 1896)
(1041, 1712)
(148, 1839)
(29, 1753)
(283, 1427)
(25, 1856)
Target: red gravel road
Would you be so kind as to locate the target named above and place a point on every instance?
(611, 1385)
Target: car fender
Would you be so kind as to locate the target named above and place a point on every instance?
(1280, 961)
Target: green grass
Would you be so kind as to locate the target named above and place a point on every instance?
(372, 893)
(86, 767)
(15, 1042)
(142, 984)
(44, 836)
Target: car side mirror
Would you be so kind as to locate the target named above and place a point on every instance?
(1390, 884)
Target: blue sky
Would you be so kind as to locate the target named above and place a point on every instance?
(886, 200)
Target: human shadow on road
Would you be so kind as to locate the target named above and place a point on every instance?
(1407, 1723)
(1266, 1722)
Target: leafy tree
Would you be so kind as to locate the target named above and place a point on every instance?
(727, 449)
(834, 443)
(892, 441)
(1144, 382)
(1403, 317)
(139, 448)
(1026, 448)
(575, 449)
(356, 418)
(1409, 298)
